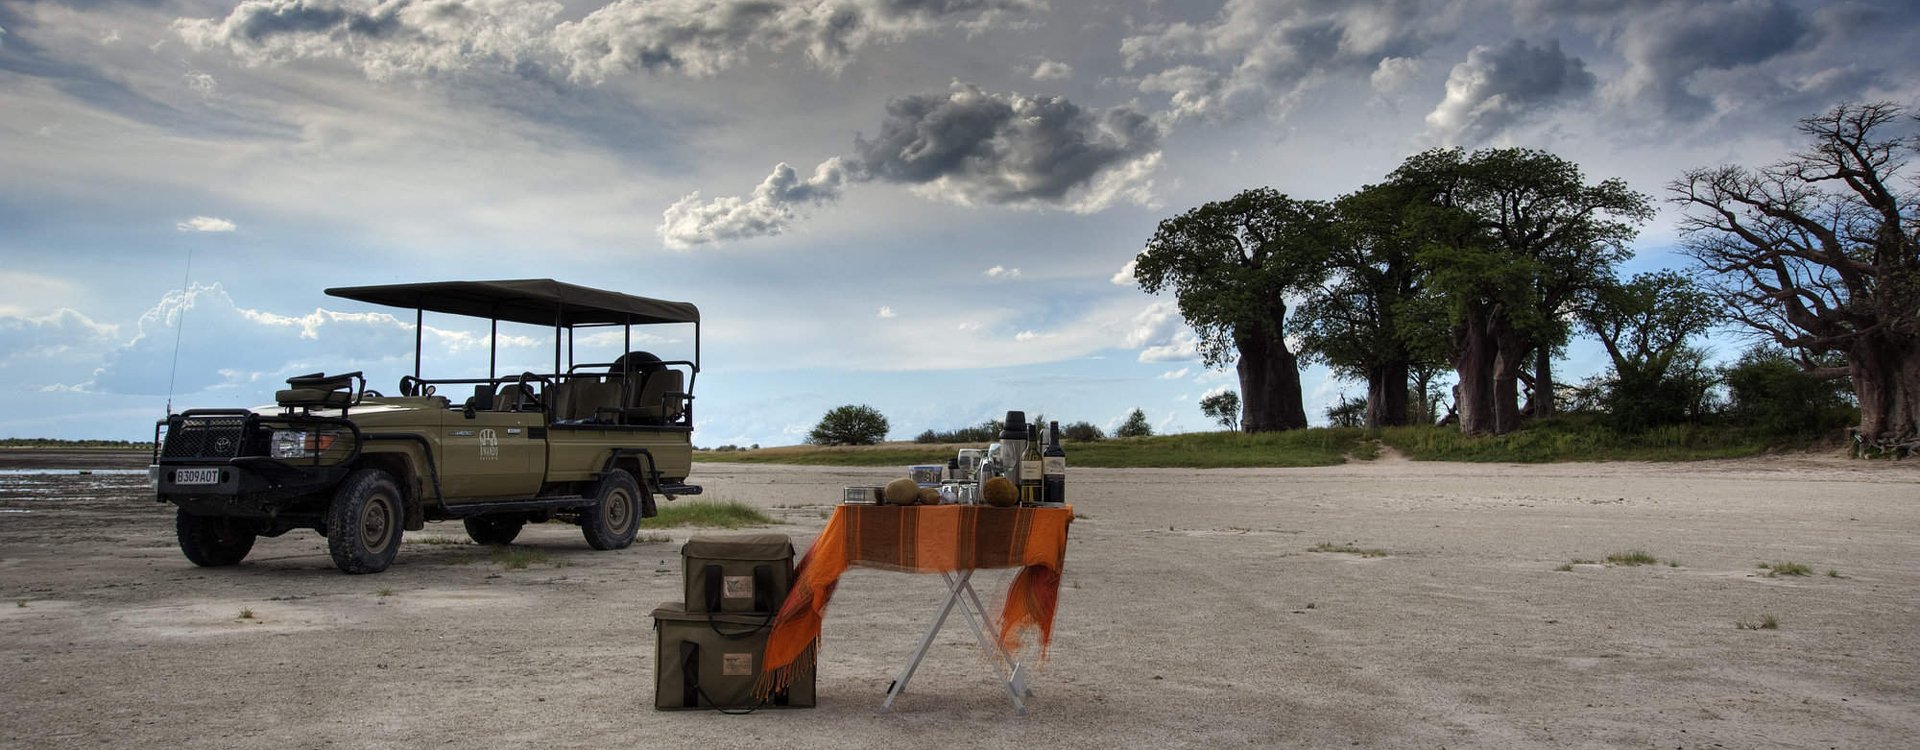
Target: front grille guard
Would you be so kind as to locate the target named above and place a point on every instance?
(198, 435)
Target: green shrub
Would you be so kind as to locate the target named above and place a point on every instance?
(1770, 392)
(849, 425)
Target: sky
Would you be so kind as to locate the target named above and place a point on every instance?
(925, 206)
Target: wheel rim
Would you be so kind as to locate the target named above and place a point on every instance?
(376, 524)
(619, 512)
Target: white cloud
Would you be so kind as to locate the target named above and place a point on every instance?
(1162, 335)
(769, 211)
(1174, 374)
(1002, 272)
(206, 224)
(1394, 74)
(1124, 277)
(1052, 70)
(383, 39)
(887, 312)
(1027, 336)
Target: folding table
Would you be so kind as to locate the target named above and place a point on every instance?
(953, 541)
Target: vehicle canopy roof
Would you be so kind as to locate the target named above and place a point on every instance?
(542, 302)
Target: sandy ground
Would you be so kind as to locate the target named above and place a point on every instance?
(1193, 614)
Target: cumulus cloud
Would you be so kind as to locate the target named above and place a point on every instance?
(206, 224)
(1497, 87)
(1174, 374)
(964, 146)
(1124, 277)
(384, 39)
(1162, 335)
(1052, 70)
(1002, 272)
(768, 211)
(1394, 74)
(703, 37)
(887, 312)
(1667, 47)
(1256, 54)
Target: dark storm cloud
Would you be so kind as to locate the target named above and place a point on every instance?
(964, 146)
(1499, 86)
(1002, 148)
(1668, 47)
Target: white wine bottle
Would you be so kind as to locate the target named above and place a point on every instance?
(1032, 470)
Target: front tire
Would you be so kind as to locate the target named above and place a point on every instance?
(364, 522)
(615, 516)
(212, 542)
(494, 530)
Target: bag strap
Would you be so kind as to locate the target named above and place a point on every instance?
(693, 696)
(715, 579)
(763, 589)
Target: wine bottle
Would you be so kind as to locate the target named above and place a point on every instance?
(1054, 471)
(1032, 471)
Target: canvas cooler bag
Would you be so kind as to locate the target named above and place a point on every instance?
(748, 573)
(712, 660)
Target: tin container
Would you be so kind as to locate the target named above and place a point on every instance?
(927, 475)
(862, 495)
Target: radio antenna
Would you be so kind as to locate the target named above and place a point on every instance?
(180, 326)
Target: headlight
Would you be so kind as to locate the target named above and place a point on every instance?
(299, 444)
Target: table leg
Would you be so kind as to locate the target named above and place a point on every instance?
(1011, 676)
(926, 641)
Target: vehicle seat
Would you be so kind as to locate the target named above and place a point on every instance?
(657, 398)
(482, 398)
(515, 397)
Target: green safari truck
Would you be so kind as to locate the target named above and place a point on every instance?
(588, 443)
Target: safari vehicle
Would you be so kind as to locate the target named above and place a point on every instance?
(587, 443)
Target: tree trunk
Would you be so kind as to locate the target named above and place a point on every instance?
(1510, 351)
(1473, 360)
(1387, 395)
(1886, 379)
(1269, 385)
(1543, 382)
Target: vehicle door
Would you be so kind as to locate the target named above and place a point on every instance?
(493, 454)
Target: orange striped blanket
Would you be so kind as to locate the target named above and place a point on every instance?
(925, 539)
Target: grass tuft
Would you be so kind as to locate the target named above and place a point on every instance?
(446, 541)
(1775, 570)
(652, 538)
(723, 514)
(246, 613)
(1631, 558)
(1767, 622)
(383, 592)
(1565, 568)
(1350, 549)
(515, 557)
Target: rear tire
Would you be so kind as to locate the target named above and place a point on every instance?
(364, 522)
(212, 542)
(494, 530)
(614, 518)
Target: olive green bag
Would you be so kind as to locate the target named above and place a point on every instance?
(706, 660)
(747, 573)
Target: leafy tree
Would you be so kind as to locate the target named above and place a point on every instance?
(1644, 325)
(1512, 239)
(1821, 254)
(1770, 391)
(1083, 432)
(1231, 265)
(1347, 413)
(1222, 407)
(1361, 323)
(1135, 426)
(849, 425)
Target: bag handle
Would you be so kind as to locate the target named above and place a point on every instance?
(692, 695)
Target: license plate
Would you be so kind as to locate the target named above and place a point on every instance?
(196, 476)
